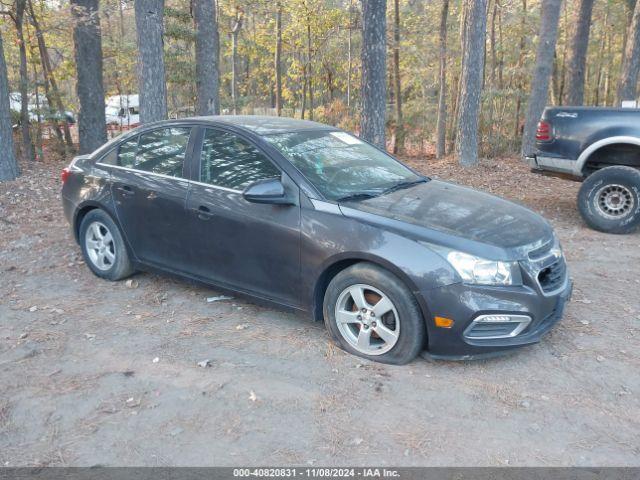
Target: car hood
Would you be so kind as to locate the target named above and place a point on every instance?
(456, 217)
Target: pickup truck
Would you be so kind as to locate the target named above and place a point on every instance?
(601, 148)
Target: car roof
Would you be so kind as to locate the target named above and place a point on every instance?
(262, 124)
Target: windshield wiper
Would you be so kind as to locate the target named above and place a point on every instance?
(358, 196)
(401, 185)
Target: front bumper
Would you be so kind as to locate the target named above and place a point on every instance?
(463, 303)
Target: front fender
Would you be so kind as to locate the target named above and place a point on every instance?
(330, 239)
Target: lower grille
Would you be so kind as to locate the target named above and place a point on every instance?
(552, 277)
(492, 330)
(498, 325)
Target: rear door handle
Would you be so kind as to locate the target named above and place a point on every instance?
(204, 212)
(126, 190)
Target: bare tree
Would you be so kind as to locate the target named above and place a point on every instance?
(151, 75)
(309, 66)
(472, 68)
(18, 19)
(398, 145)
(278, 59)
(577, 59)
(87, 39)
(441, 129)
(235, 32)
(52, 92)
(207, 47)
(374, 66)
(542, 73)
(350, 53)
(627, 89)
(8, 164)
(456, 86)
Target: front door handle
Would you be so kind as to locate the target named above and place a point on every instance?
(126, 190)
(204, 212)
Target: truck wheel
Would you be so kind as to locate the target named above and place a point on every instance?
(609, 200)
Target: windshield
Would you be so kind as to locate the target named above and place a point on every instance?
(340, 165)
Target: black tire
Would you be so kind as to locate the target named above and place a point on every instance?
(121, 266)
(617, 183)
(410, 324)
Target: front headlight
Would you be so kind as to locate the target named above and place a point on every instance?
(480, 271)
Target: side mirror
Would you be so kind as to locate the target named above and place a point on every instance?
(269, 190)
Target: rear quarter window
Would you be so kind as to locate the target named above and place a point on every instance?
(110, 158)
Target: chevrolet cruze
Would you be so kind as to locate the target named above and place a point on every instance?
(309, 217)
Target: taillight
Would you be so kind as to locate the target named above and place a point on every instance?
(543, 133)
(66, 173)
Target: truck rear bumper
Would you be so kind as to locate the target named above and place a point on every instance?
(540, 163)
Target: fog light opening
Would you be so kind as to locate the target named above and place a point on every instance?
(495, 326)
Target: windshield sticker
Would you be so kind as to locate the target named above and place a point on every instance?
(346, 138)
(567, 114)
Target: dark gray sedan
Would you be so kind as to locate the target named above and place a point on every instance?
(307, 216)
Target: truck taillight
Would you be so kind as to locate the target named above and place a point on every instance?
(66, 173)
(543, 133)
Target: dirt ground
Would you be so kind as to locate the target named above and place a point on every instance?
(93, 372)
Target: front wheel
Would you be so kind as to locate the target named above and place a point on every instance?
(369, 312)
(609, 199)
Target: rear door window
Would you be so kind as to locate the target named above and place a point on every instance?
(163, 151)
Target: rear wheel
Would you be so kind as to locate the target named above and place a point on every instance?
(609, 199)
(103, 247)
(371, 313)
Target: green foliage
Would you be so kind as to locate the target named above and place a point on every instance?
(315, 39)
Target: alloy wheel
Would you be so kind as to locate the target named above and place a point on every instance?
(367, 319)
(100, 246)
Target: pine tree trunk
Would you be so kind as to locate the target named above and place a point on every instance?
(8, 164)
(207, 76)
(542, 73)
(578, 58)
(278, 60)
(27, 143)
(87, 38)
(374, 65)
(441, 129)
(627, 89)
(467, 139)
(398, 146)
(152, 85)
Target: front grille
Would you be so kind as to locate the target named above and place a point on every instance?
(552, 277)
